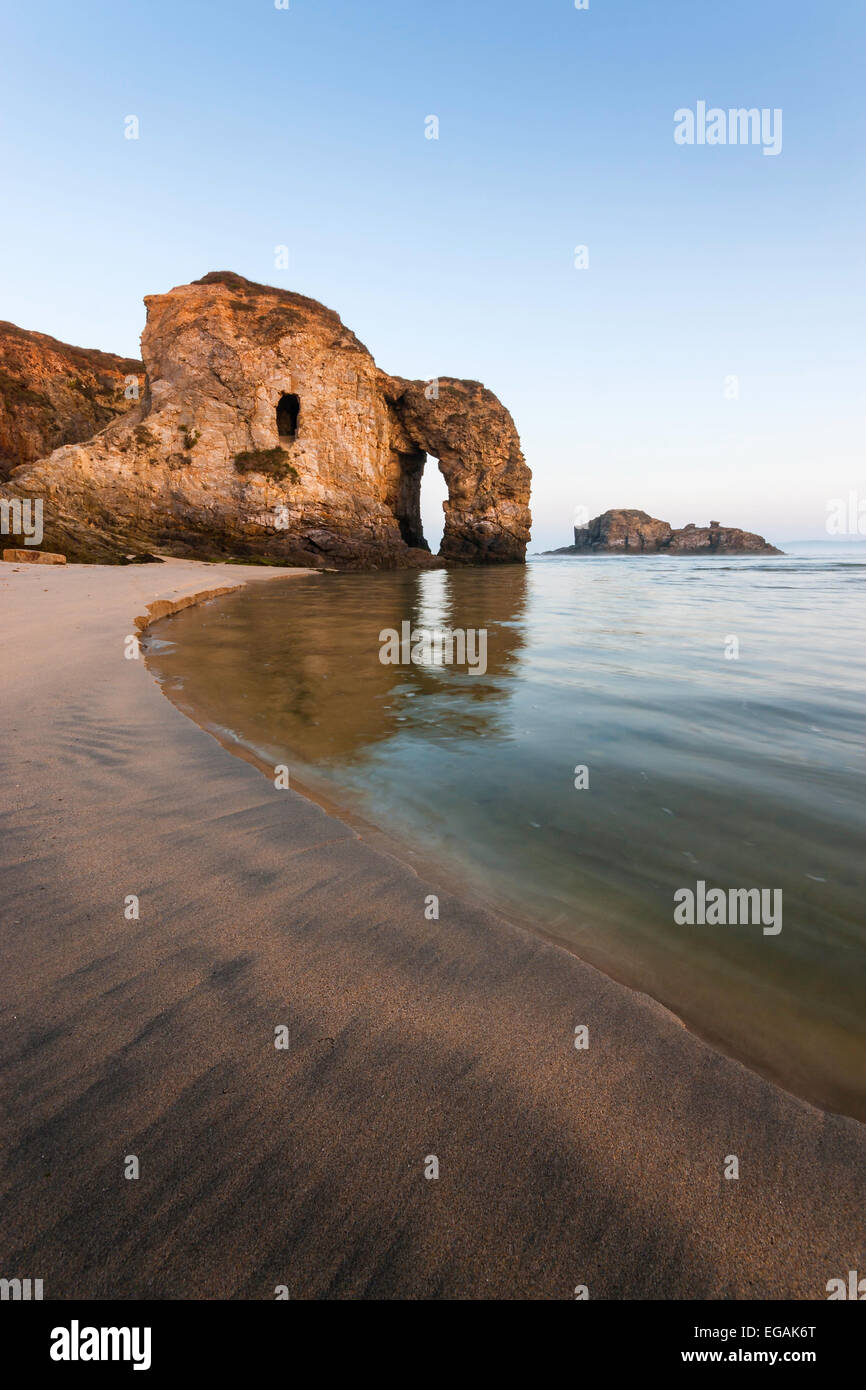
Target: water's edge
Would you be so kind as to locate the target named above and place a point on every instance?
(429, 868)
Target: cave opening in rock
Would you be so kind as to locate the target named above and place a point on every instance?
(288, 409)
(418, 500)
(406, 501)
(434, 495)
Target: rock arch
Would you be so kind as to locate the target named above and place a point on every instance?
(473, 436)
(219, 354)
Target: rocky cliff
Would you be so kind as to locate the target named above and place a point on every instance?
(624, 531)
(266, 429)
(53, 394)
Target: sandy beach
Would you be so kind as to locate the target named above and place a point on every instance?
(408, 1037)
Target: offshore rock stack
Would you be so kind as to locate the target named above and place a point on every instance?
(630, 532)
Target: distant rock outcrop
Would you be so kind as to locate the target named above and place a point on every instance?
(53, 394)
(267, 430)
(719, 540)
(624, 531)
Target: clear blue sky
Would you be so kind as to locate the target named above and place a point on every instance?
(305, 127)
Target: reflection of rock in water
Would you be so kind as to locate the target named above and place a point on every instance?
(297, 666)
(464, 600)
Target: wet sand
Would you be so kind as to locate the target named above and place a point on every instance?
(262, 1167)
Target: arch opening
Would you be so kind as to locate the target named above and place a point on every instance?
(406, 502)
(418, 501)
(433, 496)
(288, 410)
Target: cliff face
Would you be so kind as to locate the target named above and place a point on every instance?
(53, 394)
(629, 532)
(266, 429)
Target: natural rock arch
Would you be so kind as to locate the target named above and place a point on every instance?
(473, 436)
(219, 354)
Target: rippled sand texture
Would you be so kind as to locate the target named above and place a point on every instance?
(407, 1037)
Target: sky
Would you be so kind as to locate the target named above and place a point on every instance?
(707, 361)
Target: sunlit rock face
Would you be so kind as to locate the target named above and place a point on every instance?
(53, 394)
(267, 430)
(623, 529)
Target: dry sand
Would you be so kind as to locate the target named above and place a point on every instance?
(408, 1038)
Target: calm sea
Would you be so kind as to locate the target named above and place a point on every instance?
(717, 706)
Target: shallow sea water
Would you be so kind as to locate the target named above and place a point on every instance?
(742, 773)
